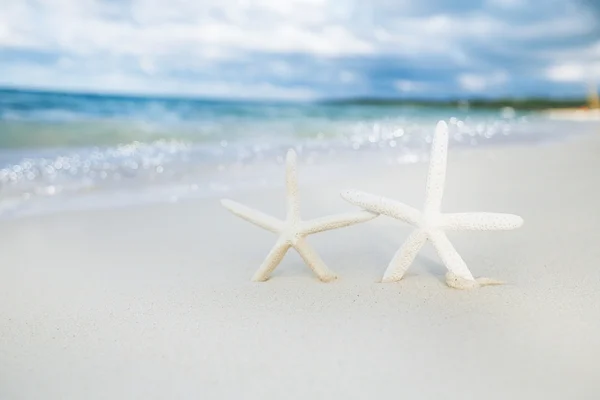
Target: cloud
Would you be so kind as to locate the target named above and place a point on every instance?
(149, 27)
(574, 72)
(482, 82)
(300, 49)
(408, 86)
(69, 79)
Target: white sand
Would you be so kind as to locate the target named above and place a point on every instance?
(156, 303)
(574, 114)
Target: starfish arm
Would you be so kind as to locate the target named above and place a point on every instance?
(382, 205)
(404, 256)
(314, 262)
(335, 221)
(449, 255)
(436, 176)
(291, 182)
(251, 215)
(271, 262)
(480, 221)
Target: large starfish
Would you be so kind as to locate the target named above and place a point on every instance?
(431, 223)
(293, 230)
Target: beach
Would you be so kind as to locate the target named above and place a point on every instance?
(155, 301)
(574, 114)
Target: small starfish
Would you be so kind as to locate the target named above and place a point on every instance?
(431, 223)
(293, 230)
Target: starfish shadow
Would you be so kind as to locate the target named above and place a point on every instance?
(432, 266)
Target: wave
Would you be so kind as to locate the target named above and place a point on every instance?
(57, 148)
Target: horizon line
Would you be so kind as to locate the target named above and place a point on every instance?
(339, 100)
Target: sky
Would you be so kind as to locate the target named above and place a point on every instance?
(302, 49)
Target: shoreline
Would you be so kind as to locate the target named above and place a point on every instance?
(211, 181)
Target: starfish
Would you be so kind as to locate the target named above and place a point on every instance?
(431, 223)
(293, 230)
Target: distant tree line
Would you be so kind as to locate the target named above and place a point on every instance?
(516, 103)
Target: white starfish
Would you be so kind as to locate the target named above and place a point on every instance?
(431, 223)
(293, 230)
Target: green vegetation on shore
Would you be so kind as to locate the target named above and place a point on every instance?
(518, 104)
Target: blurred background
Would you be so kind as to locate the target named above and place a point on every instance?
(113, 102)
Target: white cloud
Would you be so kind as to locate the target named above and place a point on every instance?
(190, 27)
(482, 82)
(148, 65)
(148, 43)
(587, 53)
(408, 86)
(120, 82)
(574, 72)
(566, 73)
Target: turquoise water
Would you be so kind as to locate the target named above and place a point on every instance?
(62, 150)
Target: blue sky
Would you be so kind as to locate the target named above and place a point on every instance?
(302, 49)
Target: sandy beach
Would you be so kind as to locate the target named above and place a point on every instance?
(574, 114)
(155, 302)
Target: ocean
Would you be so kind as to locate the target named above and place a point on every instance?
(61, 151)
